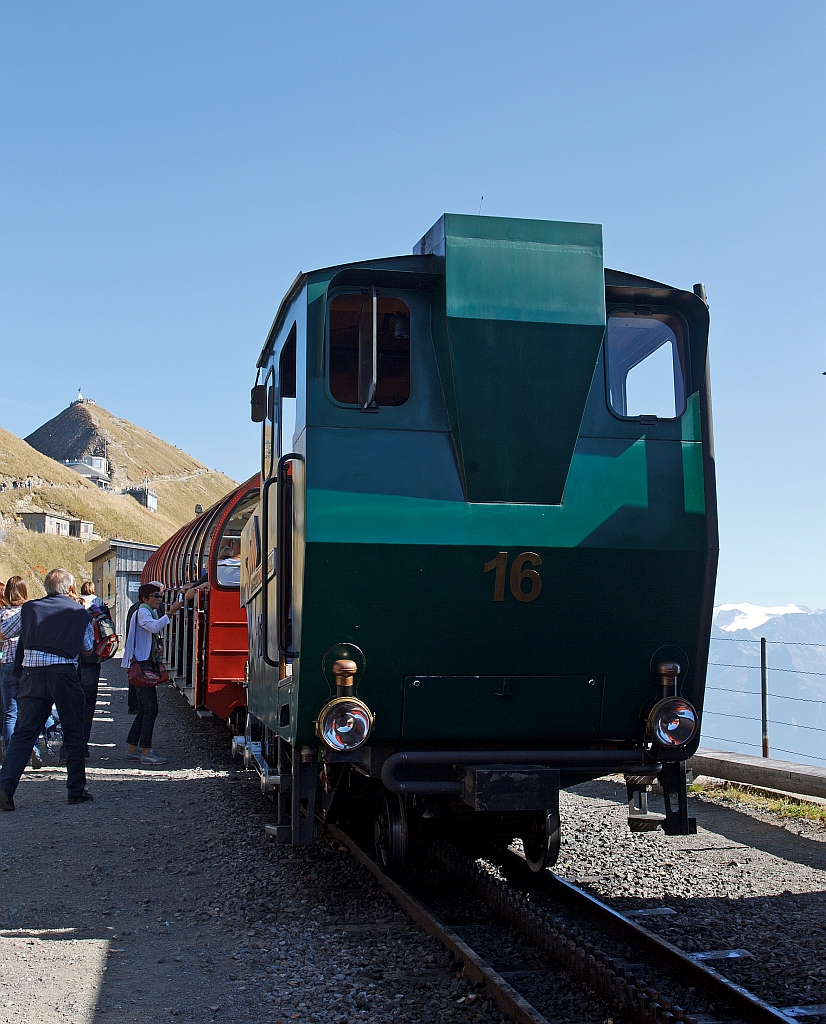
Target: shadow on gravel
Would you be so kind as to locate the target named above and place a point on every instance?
(736, 826)
(762, 835)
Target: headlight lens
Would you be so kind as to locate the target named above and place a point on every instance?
(672, 722)
(344, 723)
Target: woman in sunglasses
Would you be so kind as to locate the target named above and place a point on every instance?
(144, 645)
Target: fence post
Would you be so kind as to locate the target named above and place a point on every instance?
(764, 694)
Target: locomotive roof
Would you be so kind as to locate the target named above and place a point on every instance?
(431, 247)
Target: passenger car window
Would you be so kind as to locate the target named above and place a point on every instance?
(356, 322)
(228, 562)
(645, 360)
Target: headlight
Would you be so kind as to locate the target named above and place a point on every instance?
(672, 722)
(344, 723)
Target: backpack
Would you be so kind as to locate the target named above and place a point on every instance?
(107, 640)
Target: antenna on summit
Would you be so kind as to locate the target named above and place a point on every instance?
(479, 214)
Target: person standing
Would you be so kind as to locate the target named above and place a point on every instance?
(52, 632)
(15, 594)
(132, 696)
(89, 670)
(3, 606)
(88, 597)
(143, 644)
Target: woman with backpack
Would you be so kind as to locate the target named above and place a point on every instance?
(143, 650)
(15, 594)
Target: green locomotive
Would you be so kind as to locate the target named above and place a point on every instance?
(482, 564)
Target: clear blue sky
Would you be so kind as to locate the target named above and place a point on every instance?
(167, 169)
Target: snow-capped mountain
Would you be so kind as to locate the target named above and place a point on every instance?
(731, 617)
(796, 658)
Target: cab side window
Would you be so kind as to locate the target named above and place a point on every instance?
(369, 350)
(645, 354)
(268, 427)
(286, 393)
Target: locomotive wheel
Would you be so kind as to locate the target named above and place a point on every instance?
(541, 844)
(390, 834)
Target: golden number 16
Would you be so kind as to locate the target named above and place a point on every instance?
(518, 574)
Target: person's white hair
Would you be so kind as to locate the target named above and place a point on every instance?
(58, 581)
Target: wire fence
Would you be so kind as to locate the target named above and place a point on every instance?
(811, 705)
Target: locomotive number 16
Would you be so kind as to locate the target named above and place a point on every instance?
(518, 575)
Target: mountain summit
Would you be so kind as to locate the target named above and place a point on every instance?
(87, 429)
(34, 479)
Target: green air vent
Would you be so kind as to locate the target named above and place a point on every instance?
(524, 306)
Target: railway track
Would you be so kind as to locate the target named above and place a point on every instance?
(636, 975)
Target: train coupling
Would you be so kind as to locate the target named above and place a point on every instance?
(671, 783)
(254, 759)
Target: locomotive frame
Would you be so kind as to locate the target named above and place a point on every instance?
(475, 573)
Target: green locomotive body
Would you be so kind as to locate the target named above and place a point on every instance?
(472, 510)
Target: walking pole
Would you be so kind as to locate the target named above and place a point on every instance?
(764, 694)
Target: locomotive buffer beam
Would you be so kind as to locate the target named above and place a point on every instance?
(511, 787)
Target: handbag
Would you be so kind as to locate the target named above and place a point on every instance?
(146, 673)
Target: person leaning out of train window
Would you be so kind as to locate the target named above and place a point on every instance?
(144, 645)
(229, 567)
(229, 564)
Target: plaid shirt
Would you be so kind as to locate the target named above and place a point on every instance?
(9, 646)
(10, 628)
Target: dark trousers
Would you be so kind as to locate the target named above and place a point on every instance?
(89, 679)
(39, 689)
(140, 734)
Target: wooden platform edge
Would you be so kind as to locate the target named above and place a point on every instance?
(762, 772)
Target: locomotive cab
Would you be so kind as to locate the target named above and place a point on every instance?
(482, 562)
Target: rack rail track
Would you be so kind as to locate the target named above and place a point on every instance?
(615, 985)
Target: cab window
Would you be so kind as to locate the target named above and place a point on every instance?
(369, 350)
(268, 428)
(645, 358)
(287, 367)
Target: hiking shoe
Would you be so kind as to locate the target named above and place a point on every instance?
(6, 800)
(82, 798)
(129, 756)
(36, 761)
(152, 758)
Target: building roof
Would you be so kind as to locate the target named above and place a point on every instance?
(51, 515)
(117, 542)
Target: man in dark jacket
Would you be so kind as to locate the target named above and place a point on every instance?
(52, 632)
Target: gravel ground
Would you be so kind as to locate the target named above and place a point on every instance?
(748, 880)
(163, 899)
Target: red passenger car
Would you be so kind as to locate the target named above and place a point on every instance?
(206, 645)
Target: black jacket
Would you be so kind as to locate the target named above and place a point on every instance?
(54, 624)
